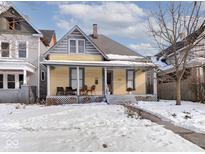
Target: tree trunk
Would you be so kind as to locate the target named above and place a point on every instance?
(178, 92)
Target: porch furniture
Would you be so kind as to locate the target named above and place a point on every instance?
(60, 91)
(69, 91)
(91, 89)
(84, 90)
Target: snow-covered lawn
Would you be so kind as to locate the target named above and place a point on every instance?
(89, 127)
(188, 115)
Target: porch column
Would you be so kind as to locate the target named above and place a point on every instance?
(48, 80)
(24, 77)
(105, 80)
(78, 81)
(155, 82)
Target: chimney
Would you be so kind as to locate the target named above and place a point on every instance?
(95, 31)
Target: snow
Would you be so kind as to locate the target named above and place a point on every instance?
(122, 57)
(88, 127)
(178, 114)
(161, 65)
(100, 63)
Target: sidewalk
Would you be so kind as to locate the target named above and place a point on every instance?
(196, 138)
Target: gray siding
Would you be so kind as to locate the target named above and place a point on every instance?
(63, 45)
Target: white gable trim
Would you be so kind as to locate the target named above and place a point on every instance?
(68, 33)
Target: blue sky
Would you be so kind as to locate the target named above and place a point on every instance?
(125, 22)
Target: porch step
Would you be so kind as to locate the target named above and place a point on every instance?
(120, 99)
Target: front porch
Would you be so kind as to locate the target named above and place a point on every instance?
(69, 83)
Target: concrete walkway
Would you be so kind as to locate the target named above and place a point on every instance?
(196, 138)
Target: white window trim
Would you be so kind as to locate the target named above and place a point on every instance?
(17, 49)
(44, 75)
(5, 41)
(77, 49)
(5, 79)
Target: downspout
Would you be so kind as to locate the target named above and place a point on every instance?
(38, 81)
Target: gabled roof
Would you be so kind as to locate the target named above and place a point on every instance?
(47, 36)
(179, 45)
(68, 33)
(10, 7)
(111, 47)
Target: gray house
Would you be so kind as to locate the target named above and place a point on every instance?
(21, 47)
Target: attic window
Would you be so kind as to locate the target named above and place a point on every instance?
(77, 46)
(13, 24)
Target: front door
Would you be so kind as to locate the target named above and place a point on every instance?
(110, 81)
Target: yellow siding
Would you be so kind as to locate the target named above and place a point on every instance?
(92, 74)
(119, 79)
(140, 83)
(59, 78)
(76, 57)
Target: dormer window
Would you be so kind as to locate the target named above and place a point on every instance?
(77, 45)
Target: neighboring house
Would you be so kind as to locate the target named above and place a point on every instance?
(21, 46)
(84, 68)
(192, 83)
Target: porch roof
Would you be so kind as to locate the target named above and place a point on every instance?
(17, 65)
(99, 63)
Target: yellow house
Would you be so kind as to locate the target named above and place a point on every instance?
(82, 68)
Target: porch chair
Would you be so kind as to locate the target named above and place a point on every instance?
(69, 91)
(84, 90)
(91, 89)
(60, 91)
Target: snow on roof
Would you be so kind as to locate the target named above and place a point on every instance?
(122, 57)
(161, 65)
(100, 63)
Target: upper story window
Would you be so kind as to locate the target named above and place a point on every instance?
(5, 49)
(77, 46)
(22, 50)
(13, 24)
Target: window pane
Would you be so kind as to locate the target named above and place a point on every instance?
(20, 80)
(74, 84)
(22, 49)
(5, 49)
(11, 85)
(81, 74)
(1, 77)
(130, 75)
(1, 81)
(81, 45)
(42, 76)
(73, 73)
(72, 46)
(11, 77)
(130, 84)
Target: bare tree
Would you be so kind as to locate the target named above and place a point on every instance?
(175, 24)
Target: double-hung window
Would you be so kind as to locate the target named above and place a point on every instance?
(11, 81)
(130, 79)
(22, 49)
(73, 78)
(5, 49)
(77, 46)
